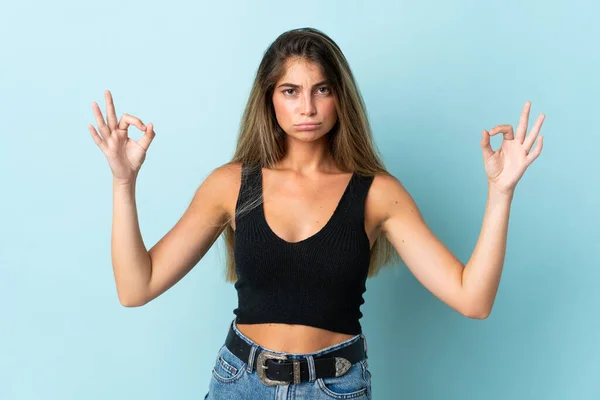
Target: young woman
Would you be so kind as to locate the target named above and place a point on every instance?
(308, 212)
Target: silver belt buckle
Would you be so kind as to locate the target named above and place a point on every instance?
(261, 368)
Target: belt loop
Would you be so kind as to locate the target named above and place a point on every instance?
(365, 345)
(250, 366)
(311, 368)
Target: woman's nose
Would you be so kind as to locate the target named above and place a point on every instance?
(308, 106)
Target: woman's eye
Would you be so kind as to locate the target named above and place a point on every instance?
(327, 90)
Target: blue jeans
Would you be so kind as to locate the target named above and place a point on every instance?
(235, 379)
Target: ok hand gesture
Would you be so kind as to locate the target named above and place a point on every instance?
(507, 165)
(125, 156)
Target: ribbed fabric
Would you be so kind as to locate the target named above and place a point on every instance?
(318, 281)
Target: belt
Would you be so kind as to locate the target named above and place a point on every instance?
(276, 369)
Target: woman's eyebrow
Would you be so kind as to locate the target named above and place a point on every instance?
(299, 86)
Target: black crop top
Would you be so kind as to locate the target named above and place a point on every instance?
(318, 281)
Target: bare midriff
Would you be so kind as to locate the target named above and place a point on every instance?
(291, 338)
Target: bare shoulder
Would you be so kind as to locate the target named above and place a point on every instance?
(225, 181)
(226, 175)
(386, 194)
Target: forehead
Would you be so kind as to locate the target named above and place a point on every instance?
(297, 69)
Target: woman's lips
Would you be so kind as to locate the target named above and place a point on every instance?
(307, 127)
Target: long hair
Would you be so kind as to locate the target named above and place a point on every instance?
(261, 141)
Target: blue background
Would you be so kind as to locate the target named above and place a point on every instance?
(433, 74)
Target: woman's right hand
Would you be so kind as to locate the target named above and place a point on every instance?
(125, 156)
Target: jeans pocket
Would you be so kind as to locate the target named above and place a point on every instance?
(351, 385)
(228, 368)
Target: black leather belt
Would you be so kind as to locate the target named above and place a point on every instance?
(276, 369)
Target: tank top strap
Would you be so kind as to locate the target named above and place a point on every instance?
(250, 183)
(357, 194)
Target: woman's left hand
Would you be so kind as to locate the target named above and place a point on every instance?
(506, 166)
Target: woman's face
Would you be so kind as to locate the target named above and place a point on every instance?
(303, 96)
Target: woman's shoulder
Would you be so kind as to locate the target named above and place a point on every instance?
(226, 181)
(228, 169)
(386, 192)
(384, 181)
(227, 178)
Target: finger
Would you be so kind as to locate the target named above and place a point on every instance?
(506, 130)
(100, 120)
(536, 151)
(127, 120)
(522, 127)
(97, 139)
(111, 115)
(146, 139)
(535, 130)
(485, 145)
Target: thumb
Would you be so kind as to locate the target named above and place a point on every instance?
(485, 145)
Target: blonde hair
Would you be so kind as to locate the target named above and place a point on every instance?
(261, 141)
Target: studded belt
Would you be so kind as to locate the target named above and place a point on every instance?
(276, 369)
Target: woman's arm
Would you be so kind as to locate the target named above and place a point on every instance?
(429, 260)
(470, 290)
(481, 276)
(130, 259)
(142, 275)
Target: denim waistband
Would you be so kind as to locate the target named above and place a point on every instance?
(295, 356)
